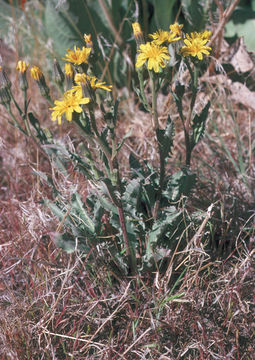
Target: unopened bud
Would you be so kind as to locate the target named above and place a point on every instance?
(22, 68)
(69, 75)
(138, 34)
(5, 97)
(4, 80)
(88, 41)
(38, 76)
(59, 75)
(87, 90)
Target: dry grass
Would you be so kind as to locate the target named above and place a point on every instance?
(59, 306)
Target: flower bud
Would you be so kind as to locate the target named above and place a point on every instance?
(69, 75)
(138, 34)
(5, 97)
(88, 41)
(38, 76)
(59, 75)
(22, 68)
(87, 90)
(4, 80)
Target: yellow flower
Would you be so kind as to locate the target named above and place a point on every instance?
(22, 66)
(78, 56)
(94, 83)
(162, 36)
(88, 41)
(206, 35)
(69, 70)
(36, 73)
(176, 29)
(137, 29)
(138, 34)
(196, 45)
(38, 76)
(155, 55)
(71, 102)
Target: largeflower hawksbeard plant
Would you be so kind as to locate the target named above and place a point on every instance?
(140, 212)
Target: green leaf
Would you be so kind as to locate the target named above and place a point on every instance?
(40, 134)
(165, 138)
(178, 95)
(198, 126)
(180, 183)
(164, 231)
(48, 180)
(163, 13)
(132, 197)
(60, 213)
(61, 26)
(70, 243)
(103, 196)
(135, 166)
(79, 207)
(197, 12)
(242, 23)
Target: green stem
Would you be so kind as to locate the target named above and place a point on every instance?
(194, 78)
(141, 84)
(154, 102)
(24, 115)
(16, 123)
(157, 131)
(16, 104)
(99, 140)
(130, 253)
(114, 169)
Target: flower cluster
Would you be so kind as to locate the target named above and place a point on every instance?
(77, 94)
(155, 53)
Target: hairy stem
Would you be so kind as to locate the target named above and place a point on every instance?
(141, 84)
(161, 157)
(194, 79)
(114, 169)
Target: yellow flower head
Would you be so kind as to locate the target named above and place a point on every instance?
(155, 55)
(137, 29)
(78, 56)
(176, 29)
(4, 80)
(88, 41)
(71, 102)
(69, 70)
(162, 36)
(94, 83)
(195, 45)
(36, 73)
(138, 34)
(206, 35)
(22, 66)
